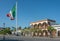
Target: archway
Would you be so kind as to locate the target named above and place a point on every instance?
(58, 33)
(45, 33)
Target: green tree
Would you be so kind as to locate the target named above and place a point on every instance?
(5, 31)
(13, 29)
(19, 27)
(51, 30)
(25, 27)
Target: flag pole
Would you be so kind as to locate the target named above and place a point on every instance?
(16, 17)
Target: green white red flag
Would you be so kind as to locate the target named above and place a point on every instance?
(12, 13)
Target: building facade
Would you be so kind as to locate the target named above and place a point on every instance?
(57, 27)
(43, 25)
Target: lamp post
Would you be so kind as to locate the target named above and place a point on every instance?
(4, 34)
(4, 25)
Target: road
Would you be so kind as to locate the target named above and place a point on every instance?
(26, 38)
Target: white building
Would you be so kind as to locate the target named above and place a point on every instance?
(57, 27)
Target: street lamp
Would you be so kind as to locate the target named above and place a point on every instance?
(4, 25)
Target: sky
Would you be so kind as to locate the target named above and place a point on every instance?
(29, 11)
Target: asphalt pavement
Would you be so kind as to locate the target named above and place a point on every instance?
(26, 38)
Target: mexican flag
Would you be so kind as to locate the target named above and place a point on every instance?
(12, 13)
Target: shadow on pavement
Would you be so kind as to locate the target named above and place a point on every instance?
(11, 40)
(4, 39)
